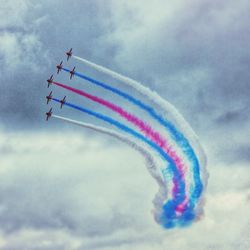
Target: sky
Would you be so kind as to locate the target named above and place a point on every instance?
(61, 186)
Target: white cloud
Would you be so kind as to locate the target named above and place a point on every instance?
(10, 49)
(20, 44)
(69, 192)
(13, 13)
(19, 50)
(136, 27)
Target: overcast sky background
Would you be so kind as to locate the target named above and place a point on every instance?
(55, 193)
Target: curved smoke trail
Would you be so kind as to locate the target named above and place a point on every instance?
(179, 184)
(176, 116)
(168, 217)
(150, 163)
(155, 98)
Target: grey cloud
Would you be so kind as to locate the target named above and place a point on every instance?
(179, 52)
(23, 86)
(233, 116)
(243, 153)
(114, 243)
(204, 36)
(236, 153)
(196, 55)
(36, 189)
(97, 205)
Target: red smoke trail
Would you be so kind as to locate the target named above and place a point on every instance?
(144, 127)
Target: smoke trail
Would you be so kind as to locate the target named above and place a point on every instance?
(149, 158)
(163, 104)
(144, 127)
(168, 217)
(155, 98)
(152, 95)
(150, 163)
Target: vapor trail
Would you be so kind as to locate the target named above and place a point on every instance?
(155, 98)
(176, 116)
(147, 130)
(168, 217)
(160, 197)
(150, 163)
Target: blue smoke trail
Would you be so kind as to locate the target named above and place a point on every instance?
(175, 134)
(169, 218)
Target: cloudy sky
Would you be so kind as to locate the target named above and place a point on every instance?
(55, 192)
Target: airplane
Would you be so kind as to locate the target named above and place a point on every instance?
(59, 67)
(48, 114)
(72, 72)
(69, 54)
(49, 97)
(63, 101)
(50, 80)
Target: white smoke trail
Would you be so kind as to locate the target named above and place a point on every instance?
(152, 167)
(161, 103)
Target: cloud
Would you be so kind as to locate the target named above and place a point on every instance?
(19, 50)
(15, 15)
(56, 194)
(71, 192)
(41, 183)
(191, 46)
(20, 42)
(190, 52)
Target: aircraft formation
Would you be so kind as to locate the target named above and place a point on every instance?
(50, 81)
(182, 176)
